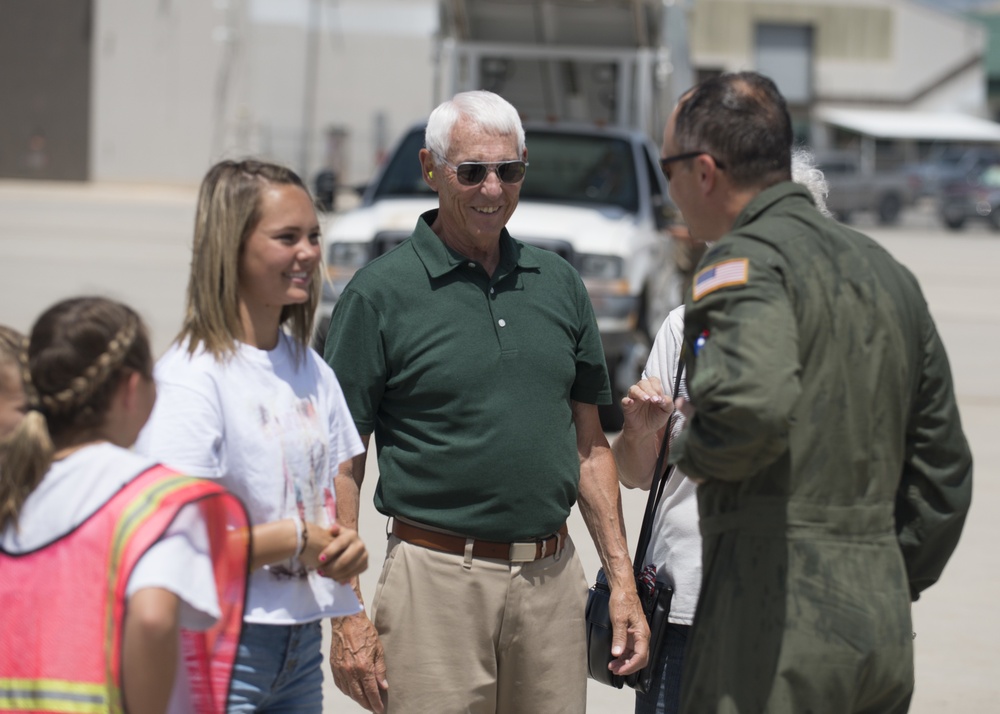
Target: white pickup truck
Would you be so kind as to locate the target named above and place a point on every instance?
(594, 195)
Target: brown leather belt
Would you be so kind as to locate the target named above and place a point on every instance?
(512, 552)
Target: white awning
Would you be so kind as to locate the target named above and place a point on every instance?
(915, 125)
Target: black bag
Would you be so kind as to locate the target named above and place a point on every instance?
(654, 596)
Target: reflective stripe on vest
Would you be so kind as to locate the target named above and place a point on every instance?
(52, 695)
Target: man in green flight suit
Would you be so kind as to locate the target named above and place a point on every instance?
(834, 474)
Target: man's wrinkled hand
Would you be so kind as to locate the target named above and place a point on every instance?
(630, 633)
(358, 661)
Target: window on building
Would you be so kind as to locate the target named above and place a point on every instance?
(785, 54)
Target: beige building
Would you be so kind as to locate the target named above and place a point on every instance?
(849, 68)
(157, 91)
(310, 83)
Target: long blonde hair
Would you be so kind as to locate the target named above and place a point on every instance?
(78, 353)
(228, 211)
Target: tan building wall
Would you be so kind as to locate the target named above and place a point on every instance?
(878, 53)
(179, 84)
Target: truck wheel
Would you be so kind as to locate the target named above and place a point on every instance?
(888, 209)
(953, 223)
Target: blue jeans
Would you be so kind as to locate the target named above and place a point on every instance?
(664, 695)
(278, 669)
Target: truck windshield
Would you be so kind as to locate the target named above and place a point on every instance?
(563, 167)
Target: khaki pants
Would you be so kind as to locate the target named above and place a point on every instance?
(482, 636)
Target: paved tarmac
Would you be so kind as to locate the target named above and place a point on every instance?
(133, 243)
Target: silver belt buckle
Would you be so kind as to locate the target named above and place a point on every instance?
(523, 552)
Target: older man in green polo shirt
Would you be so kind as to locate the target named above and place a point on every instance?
(476, 362)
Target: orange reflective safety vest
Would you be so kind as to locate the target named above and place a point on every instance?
(63, 605)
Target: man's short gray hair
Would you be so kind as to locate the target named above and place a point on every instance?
(488, 111)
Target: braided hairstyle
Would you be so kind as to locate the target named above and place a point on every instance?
(76, 357)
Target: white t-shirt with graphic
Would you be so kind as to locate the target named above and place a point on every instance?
(273, 427)
(675, 545)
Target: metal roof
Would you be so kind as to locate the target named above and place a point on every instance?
(597, 23)
(914, 125)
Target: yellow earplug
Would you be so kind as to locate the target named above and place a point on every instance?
(430, 174)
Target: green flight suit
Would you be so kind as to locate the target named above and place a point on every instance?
(836, 474)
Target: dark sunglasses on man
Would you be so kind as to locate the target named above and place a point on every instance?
(667, 160)
(473, 173)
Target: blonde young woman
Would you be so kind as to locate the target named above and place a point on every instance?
(110, 564)
(245, 401)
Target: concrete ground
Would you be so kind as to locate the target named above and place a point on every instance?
(133, 243)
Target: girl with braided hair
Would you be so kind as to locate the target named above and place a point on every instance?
(244, 400)
(12, 402)
(121, 581)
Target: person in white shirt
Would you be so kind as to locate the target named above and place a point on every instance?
(244, 400)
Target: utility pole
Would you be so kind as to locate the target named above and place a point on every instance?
(309, 88)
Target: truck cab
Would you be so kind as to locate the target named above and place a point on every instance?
(594, 195)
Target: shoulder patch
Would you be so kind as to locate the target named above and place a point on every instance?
(721, 275)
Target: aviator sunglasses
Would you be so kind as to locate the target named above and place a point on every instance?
(473, 173)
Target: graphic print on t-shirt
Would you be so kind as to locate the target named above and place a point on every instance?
(305, 473)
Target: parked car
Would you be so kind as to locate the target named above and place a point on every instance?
(594, 195)
(947, 165)
(975, 196)
(852, 190)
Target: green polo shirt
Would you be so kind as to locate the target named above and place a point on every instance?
(466, 381)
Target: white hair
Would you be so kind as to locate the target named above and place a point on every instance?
(805, 173)
(488, 111)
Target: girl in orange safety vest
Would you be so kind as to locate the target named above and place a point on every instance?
(121, 582)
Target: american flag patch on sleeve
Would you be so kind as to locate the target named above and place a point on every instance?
(720, 275)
